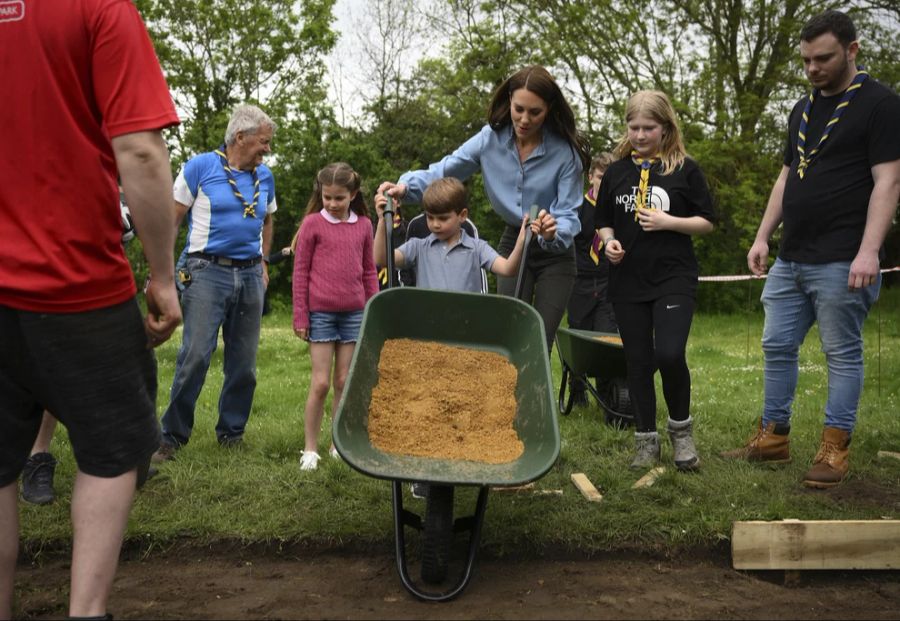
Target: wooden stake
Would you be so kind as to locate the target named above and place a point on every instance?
(586, 488)
(649, 479)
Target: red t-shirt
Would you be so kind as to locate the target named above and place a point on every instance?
(74, 74)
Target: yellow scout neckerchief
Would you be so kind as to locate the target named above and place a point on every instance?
(596, 243)
(644, 185)
(851, 91)
(249, 208)
(383, 273)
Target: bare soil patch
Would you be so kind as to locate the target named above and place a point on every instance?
(228, 581)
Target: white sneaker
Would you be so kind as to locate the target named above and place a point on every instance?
(333, 453)
(309, 460)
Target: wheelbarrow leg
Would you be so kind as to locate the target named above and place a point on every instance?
(403, 518)
(565, 404)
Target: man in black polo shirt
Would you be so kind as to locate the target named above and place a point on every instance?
(836, 196)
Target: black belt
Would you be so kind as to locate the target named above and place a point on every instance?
(225, 260)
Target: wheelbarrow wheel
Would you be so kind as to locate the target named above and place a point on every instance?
(437, 533)
(620, 403)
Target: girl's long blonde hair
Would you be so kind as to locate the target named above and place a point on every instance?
(655, 105)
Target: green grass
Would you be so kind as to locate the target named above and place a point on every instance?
(258, 493)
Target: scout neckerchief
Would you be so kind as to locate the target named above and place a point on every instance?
(383, 273)
(851, 91)
(644, 185)
(596, 243)
(249, 208)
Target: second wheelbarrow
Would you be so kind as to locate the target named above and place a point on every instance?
(586, 354)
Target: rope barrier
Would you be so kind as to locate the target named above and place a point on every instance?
(744, 277)
(739, 277)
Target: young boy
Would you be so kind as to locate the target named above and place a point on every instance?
(589, 307)
(448, 258)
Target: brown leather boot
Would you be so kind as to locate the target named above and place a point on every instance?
(832, 461)
(771, 445)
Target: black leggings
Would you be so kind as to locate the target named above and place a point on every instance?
(548, 280)
(654, 335)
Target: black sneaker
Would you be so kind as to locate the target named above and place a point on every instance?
(37, 479)
(231, 441)
(419, 490)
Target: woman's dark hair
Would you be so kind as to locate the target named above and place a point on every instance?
(837, 23)
(538, 80)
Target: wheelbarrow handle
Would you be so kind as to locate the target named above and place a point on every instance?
(389, 239)
(520, 279)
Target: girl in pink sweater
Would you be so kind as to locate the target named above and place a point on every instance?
(334, 276)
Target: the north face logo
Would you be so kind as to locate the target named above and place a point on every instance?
(12, 10)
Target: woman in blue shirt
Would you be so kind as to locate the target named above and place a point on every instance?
(529, 153)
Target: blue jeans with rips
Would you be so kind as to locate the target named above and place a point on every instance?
(223, 297)
(795, 296)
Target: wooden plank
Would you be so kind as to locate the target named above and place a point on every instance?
(514, 488)
(649, 479)
(823, 544)
(528, 487)
(888, 454)
(586, 488)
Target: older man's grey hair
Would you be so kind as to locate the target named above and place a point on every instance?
(248, 119)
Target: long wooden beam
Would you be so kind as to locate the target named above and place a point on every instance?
(825, 544)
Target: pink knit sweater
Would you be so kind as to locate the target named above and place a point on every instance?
(334, 269)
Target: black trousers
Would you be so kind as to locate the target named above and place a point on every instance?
(547, 283)
(654, 335)
(589, 306)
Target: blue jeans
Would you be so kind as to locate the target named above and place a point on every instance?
(795, 296)
(230, 298)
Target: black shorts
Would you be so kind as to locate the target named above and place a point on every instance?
(93, 372)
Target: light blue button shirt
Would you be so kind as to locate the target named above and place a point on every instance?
(551, 178)
(439, 266)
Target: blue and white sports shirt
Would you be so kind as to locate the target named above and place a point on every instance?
(216, 222)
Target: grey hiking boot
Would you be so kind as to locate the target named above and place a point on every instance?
(681, 433)
(646, 446)
(37, 479)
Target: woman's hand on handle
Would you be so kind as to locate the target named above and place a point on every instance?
(544, 225)
(395, 190)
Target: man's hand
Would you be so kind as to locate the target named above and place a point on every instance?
(163, 311)
(758, 258)
(863, 271)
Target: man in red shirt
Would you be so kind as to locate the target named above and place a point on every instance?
(84, 99)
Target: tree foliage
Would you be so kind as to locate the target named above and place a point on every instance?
(731, 68)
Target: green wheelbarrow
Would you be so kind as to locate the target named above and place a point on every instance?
(585, 354)
(492, 323)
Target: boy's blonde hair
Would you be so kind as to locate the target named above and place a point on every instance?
(656, 105)
(445, 195)
(601, 161)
